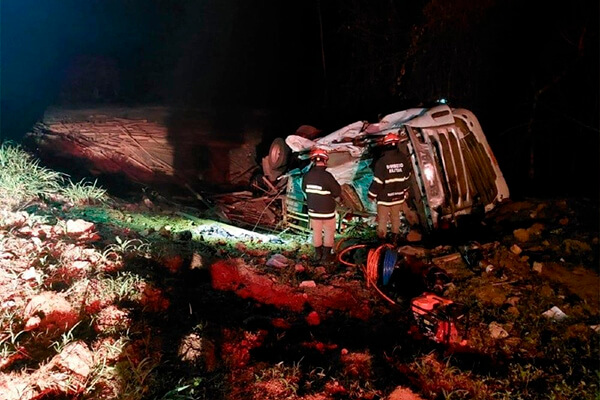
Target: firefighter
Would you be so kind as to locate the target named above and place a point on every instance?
(390, 187)
(321, 190)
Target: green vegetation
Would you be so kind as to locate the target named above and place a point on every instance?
(23, 179)
(83, 192)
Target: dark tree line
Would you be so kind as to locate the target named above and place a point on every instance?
(529, 70)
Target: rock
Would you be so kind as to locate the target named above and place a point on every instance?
(50, 311)
(81, 265)
(76, 359)
(521, 235)
(78, 227)
(16, 388)
(308, 284)
(515, 249)
(278, 261)
(402, 393)
(198, 351)
(31, 274)
(555, 313)
(497, 331)
(111, 319)
(197, 261)
(537, 267)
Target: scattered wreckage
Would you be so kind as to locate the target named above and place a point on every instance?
(389, 270)
(456, 173)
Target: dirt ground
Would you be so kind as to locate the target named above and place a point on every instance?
(87, 315)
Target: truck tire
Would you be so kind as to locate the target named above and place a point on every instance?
(279, 154)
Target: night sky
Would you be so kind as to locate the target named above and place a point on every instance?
(528, 71)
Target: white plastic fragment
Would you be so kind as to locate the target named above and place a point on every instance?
(555, 313)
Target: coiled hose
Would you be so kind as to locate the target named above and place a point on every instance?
(370, 271)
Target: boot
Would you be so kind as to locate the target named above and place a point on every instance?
(318, 254)
(328, 256)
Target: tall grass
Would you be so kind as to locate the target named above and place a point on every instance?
(83, 192)
(23, 179)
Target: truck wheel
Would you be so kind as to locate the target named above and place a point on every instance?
(279, 154)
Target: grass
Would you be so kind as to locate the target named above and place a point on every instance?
(23, 179)
(83, 192)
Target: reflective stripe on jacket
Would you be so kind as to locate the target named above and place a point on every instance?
(391, 178)
(321, 189)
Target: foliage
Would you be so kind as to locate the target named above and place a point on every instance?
(23, 179)
(84, 192)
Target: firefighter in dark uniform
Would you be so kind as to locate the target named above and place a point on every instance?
(391, 187)
(321, 189)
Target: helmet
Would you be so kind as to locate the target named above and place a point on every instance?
(319, 154)
(391, 138)
(395, 137)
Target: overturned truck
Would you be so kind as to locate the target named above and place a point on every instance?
(455, 171)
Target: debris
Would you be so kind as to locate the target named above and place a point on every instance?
(308, 284)
(555, 313)
(497, 331)
(30, 274)
(537, 267)
(412, 251)
(521, 235)
(471, 253)
(445, 259)
(516, 249)
(278, 261)
(197, 261)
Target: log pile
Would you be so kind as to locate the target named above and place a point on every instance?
(108, 144)
(140, 143)
(245, 209)
(143, 144)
